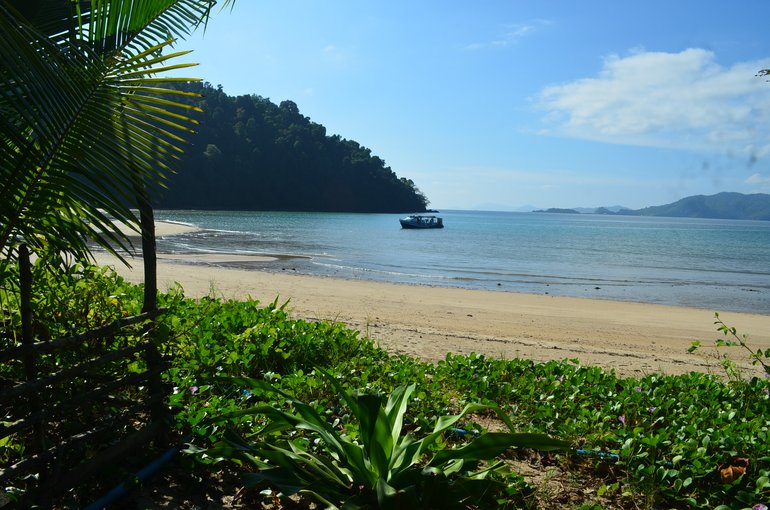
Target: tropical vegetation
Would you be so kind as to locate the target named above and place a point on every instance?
(370, 463)
(285, 403)
(89, 129)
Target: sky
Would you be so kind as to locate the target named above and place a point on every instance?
(502, 105)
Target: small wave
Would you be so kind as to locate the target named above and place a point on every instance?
(182, 223)
(211, 232)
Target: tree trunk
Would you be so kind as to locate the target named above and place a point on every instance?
(147, 221)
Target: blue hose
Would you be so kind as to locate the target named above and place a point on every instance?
(142, 475)
(462, 432)
(614, 457)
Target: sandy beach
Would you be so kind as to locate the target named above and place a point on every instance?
(633, 339)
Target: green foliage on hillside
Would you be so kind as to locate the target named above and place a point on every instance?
(251, 154)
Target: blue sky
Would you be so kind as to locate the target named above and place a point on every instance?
(502, 104)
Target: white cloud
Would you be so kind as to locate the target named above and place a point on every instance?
(758, 180)
(677, 100)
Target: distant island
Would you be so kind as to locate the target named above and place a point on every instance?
(559, 211)
(252, 154)
(725, 205)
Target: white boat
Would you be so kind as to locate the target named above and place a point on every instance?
(420, 221)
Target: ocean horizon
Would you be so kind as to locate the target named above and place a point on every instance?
(719, 265)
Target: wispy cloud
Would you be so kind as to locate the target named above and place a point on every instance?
(760, 180)
(677, 100)
(509, 35)
(335, 55)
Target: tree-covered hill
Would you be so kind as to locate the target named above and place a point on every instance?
(722, 205)
(251, 154)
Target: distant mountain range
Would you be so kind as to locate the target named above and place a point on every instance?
(733, 206)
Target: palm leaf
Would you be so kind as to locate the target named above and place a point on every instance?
(43, 105)
(83, 125)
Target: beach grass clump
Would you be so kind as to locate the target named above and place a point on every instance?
(684, 441)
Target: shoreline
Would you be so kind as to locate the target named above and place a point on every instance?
(665, 279)
(427, 322)
(252, 261)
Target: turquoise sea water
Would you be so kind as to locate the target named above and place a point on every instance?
(718, 265)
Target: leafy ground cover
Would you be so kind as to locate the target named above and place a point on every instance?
(690, 441)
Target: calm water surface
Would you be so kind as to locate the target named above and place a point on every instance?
(714, 264)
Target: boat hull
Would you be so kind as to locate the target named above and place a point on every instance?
(421, 222)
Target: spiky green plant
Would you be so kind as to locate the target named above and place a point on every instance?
(375, 465)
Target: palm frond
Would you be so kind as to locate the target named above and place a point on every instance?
(84, 120)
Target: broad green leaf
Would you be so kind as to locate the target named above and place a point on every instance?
(492, 444)
(396, 409)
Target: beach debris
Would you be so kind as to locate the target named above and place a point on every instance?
(734, 470)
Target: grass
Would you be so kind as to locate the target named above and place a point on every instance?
(653, 442)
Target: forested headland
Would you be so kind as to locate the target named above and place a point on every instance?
(251, 154)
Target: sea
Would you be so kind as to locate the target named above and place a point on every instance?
(719, 265)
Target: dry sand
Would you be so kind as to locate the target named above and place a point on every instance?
(632, 338)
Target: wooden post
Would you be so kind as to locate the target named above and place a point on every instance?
(27, 339)
(159, 411)
(158, 408)
(25, 291)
